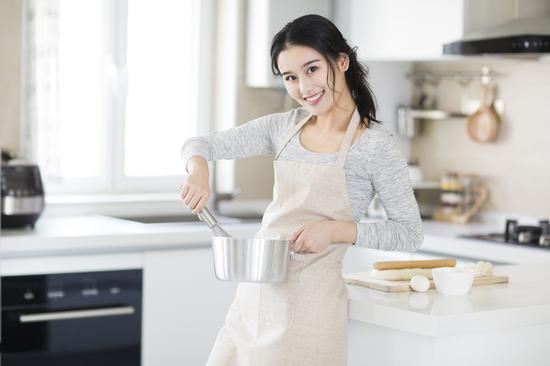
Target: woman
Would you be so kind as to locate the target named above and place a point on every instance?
(330, 157)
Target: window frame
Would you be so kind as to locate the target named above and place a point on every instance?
(115, 89)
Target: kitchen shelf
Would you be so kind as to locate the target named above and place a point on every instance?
(407, 118)
(426, 185)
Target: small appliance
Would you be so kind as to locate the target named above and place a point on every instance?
(22, 192)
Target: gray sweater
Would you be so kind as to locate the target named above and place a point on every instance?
(374, 165)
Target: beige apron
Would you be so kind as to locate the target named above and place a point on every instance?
(302, 321)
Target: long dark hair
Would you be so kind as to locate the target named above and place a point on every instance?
(322, 35)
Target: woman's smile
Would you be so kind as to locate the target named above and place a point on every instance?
(315, 98)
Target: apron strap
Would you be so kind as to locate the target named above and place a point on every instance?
(290, 134)
(346, 143)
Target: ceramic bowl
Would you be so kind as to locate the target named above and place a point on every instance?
(453, 280)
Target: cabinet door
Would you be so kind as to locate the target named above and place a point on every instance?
(402, 29)
(184, 306)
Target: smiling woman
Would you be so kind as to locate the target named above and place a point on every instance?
(330, 158)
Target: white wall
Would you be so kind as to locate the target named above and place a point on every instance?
(516, 167)
(10, 72)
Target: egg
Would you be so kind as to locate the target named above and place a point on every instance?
(420, 283)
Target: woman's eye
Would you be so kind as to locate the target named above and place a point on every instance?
(290, 78)
(312, 69)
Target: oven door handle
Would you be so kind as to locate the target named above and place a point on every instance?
(76, 314)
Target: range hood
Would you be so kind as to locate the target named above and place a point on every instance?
(525, 32)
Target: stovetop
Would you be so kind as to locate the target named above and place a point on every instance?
(535, 236)
(499, 238)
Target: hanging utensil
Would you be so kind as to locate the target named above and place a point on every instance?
(483, 124)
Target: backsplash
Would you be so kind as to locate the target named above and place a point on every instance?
(516, 167)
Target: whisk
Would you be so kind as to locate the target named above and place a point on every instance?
(207, 216)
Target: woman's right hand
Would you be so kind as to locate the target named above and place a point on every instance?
(195, 192)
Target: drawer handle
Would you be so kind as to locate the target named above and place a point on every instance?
(76, 314)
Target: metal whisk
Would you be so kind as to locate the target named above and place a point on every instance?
(207, 216)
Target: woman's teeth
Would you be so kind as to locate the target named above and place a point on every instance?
(315, 97)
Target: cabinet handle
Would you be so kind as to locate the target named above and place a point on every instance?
(76, 314)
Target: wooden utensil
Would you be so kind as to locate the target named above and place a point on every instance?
(483, 124)
(428, 263)
(363, 279)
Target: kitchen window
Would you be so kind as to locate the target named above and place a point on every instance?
(112, 90)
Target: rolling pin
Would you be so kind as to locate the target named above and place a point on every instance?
(429, 263)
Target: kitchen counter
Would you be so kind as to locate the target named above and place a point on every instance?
(525, 300)
(435, 329)
(97, 233)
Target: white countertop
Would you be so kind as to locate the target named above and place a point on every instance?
(97, 233)
(524, 301)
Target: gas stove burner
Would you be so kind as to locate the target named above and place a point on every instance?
(526, 235)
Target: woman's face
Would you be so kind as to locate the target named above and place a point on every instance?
(308, 78)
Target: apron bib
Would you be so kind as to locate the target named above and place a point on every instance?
(303, 320)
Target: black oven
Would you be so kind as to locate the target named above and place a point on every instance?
(85, 319)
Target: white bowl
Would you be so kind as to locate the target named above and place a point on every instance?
(453, 280)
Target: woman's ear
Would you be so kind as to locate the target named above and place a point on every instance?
(343, 62)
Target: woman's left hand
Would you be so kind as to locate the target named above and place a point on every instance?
(313, 237)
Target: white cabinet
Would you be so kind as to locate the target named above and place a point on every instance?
(400, 29)
(264, 19)
(184, 306)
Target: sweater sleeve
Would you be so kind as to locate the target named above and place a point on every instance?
(389, 175)
(256, 137)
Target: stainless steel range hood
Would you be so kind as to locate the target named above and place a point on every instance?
(517, 27)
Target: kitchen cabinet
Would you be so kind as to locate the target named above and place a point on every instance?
(264, 19)
(184, 306)
(400, 29)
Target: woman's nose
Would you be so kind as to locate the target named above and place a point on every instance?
(305, 89)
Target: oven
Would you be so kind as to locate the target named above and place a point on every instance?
(78, 318)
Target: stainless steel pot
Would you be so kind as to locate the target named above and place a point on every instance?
(247, 260)
(250, 260)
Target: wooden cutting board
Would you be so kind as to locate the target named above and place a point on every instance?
(363, 279)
